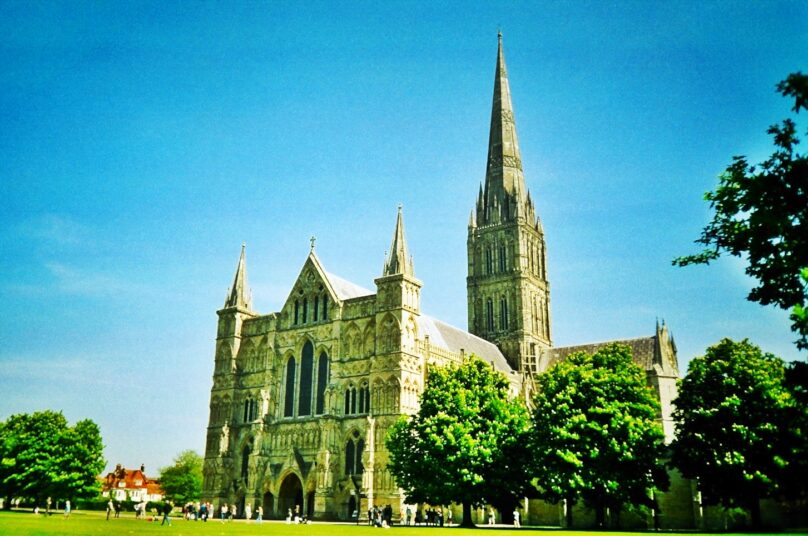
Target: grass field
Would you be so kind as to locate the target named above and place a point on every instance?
(94, 523)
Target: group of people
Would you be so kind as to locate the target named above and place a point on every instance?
(431, 517)
(517, 515)
(380, 517)
(296, 517)
(230, 512)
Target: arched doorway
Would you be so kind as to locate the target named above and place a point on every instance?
(310, 505)
(290, 496)
(269, 505)
(352, 508)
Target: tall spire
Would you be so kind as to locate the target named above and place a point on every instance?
(398, 259)
(503, 176)
(239, 295)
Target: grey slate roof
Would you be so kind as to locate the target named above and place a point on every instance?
(440, 333)
(345, 289)
(455, 339)
(642, 350)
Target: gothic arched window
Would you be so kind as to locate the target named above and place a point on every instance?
(350, 400)
(322, 383)
(245, 462)
(360, 448)
(316, 315)
(364, 398)
(503, 258)
(289, 393)
(305, 310)
(489, 314)
(297, 312)
(503, 313)
(350, 457)
(306, 373)
(353, 455)
(489, 261)
(324, 315)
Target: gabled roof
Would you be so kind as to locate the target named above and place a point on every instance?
(642, 350)
(345, 289)
(131, 479)
(455, 339)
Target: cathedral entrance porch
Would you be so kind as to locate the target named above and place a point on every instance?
(269, 506)
(290, 496)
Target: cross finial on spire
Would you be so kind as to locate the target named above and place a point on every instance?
(313, 239)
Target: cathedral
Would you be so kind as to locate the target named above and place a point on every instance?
(302, 398)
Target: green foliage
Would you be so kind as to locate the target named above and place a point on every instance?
(44, 457)
(735, 427)
(465, 444)
(595, 436)
(761, 213)
(182, 481)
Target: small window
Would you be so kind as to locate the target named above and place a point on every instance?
(503, 313)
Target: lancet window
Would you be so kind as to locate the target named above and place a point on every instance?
(289, 392)
(322, 383)
(306, 377)
(245, 462)
(353, 455)
(250, 412)
(503, 313)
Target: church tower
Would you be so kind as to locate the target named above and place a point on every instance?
(508, 292)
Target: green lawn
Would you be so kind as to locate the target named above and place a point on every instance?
(94, 523)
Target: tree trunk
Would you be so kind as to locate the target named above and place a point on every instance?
(467, 522)
(754, 510)
(569, 504)
(600, 516)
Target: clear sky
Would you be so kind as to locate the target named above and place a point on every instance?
(142, 142)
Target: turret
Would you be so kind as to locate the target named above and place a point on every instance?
(237, 308)
(398, 287)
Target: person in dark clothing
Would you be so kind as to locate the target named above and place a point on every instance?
(167, 508)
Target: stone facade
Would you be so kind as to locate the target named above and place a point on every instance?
(302, 398)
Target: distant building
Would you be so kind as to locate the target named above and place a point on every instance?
(131, 484)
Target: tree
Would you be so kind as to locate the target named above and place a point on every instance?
(794, 485)
(732, 417)
(44, 457)
(595, 434)
(465, 444)
(761, 212)
(182, 481)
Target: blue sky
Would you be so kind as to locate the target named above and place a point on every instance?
(142, 143)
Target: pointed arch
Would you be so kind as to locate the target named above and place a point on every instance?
(390, 333)
(349, 341)
(306, 378)
(289, 388)
(322, 382)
